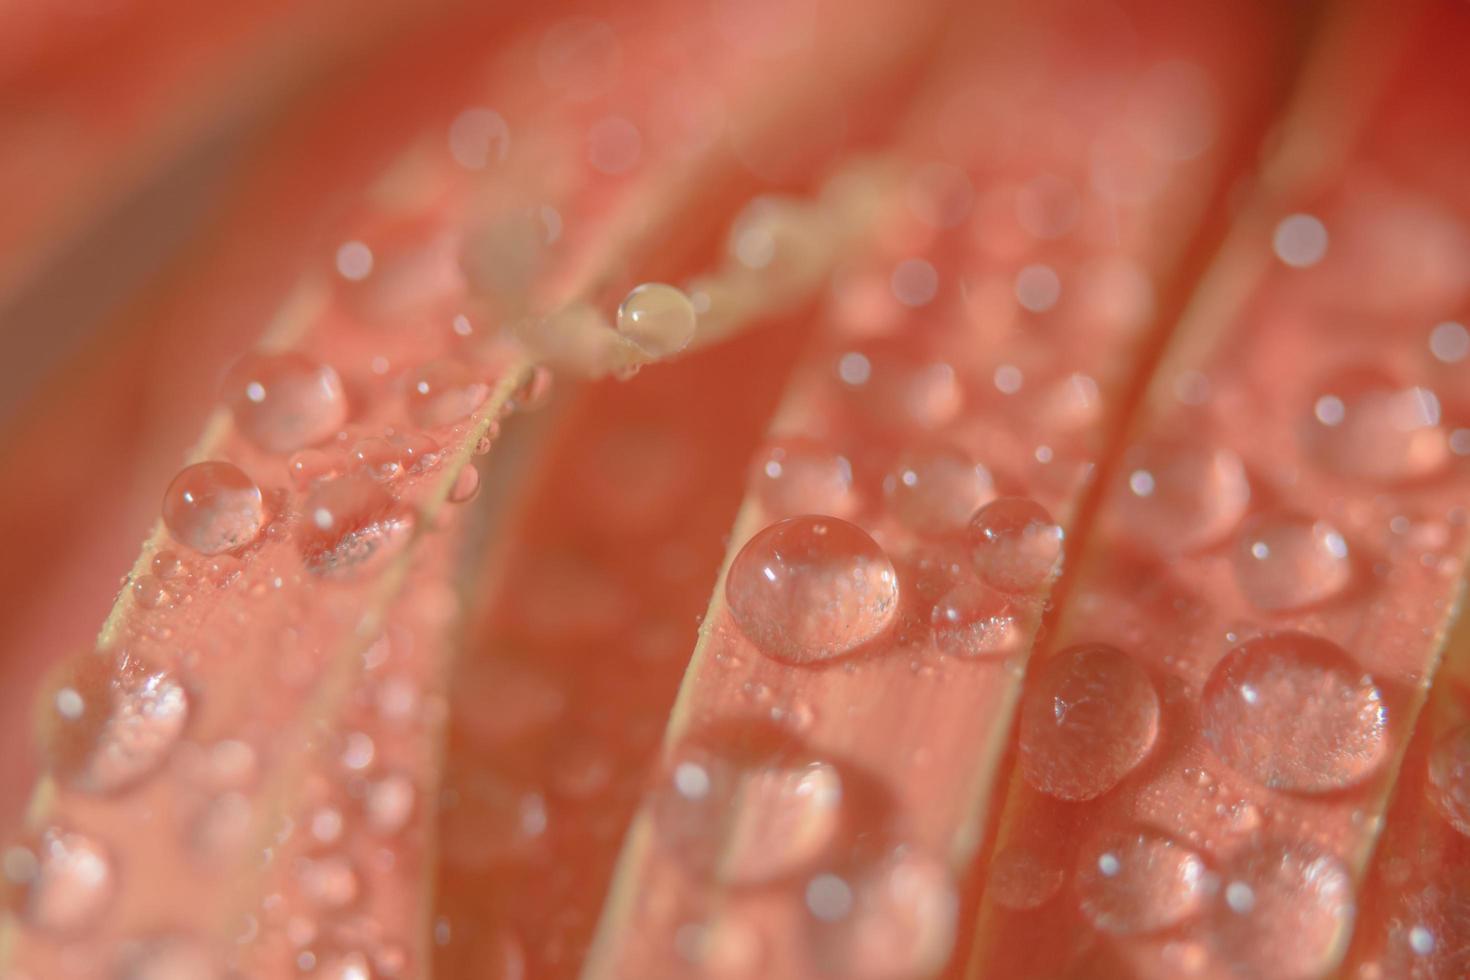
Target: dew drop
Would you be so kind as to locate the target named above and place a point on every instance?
(1366, 427)
(659, 319)
(1287, 561)
(213, 507)
(801, 476)
(114, 721)
(1139, 881)
(935, 492)
(1015, 545)
(350, 526)
(168, 958)
(1020, 880)
(328, 881)
(898, 922)
(1182, 497)
(1291, 913)
(1088, 718)
(811, 588)
(443, 392)
(974, 620)
(285, 402)
(378, 458)
(1449, 778)
(466, 485)
(1300, 240)
(1294, 712)
(63, 880)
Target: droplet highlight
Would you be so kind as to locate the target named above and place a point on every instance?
(658, 318)
(1139, 881)
(1289, 561)
(213, 507)
(285, 402)
(1015, 545)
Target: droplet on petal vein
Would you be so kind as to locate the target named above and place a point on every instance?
(1139, 881)
(285, 402)
(213, 507)
(63, 881)
(1088, 719)
(1015, 544)
(1287, 561)
(443, 392)
(659, 319)
(350, 526)
(1294, 712)
(811, 588)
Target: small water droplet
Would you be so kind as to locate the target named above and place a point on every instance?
(213, 507)
(378, 458)
(811, 588)
(897, 920)
(443, 392)
(389, 803)
(1449, 778)
(1287, 561)
(150, 592)
(658, 318)
(466, 485)
(1015, 544)
(935, 492)
(328, 881)
(1367, 427)
(349, 526)
(168, 958)
(800, 476)
(1088, 718)
(1294, 712)
(63, 880)
(1021, 880)
(285, 402)
(1300, 240)
(974, 620)
(534, 391)
(1139, 881)
(1182, 497)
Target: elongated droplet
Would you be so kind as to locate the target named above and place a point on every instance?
(1139, 881)
(1365, 426)
(974, 620)
(800, 476)
(213, 507)
(1015, 544)
(1182, 497)
(1449, 778)
(658, 318)
(1294, 712)
(935, 492)
(1286, 561)
(285, 402)
(1089, 719)
(811, 588)
(443, 392)
(350, 526)
(63, 880)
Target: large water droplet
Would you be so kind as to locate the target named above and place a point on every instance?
(1181, 497)
(1089, 717)
(746, 823)
(111, 721)
(800, 476)
(1139, 881)
(658, 318)
(62, 881)
(1363, 425)
(213, 507)
(935, 492)
(974, 620)
(811, 588)
(1287, 910)
(1021, 880)
(350, 526)
(443, 392)
(1015, 544)
(1449, 778)
(285, 402)
(1287, 561)
(894, 920)
(1294, 712)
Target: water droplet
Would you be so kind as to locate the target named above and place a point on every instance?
(935, 492)
(1449, 778)
(800, 476)
(1300, 240)
(349, 526)
(1181, 497)
(328, 881)
(168, 958)
(746, 823)
(285, 402)
(378, 458)
(1038, 288)
(63, 880)
(150, 592)
(898, 920)
(1015, 544)
(811, 588)
(213, 507)
(1139, 881)
(478, 137)
(1089, 717)
(659, 319)
(1449, 342)
(974, 620)
(1287, 561)
(914, 282)
(466, 485)
(1294, 712)
(1291, 913)
(345, 966)
(1367, 427)
(115, 720)
(443, 392)
(1020, 880)
(535, 391)
(389, 803)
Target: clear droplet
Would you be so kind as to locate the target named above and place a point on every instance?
(112, 721)
(389, 803)
(466, 485)
(443, 392)
(1287, 561)
(801, 476)
(1181, 497)
(378, 458)
(350, 526)
(328, 881)
(285, 402)
(974, 620)
(935, 492)
(1088, 718)
(63, 880)
(1139, 881)
(746, 823)
(1449, 778)
(213, 507)
(1015, 544)
(168, 958)
(811, 588)
(897, 921)
(1021, 880)
(1287, 913)
(658, 318)
(1365, 426)
(1294, 712)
